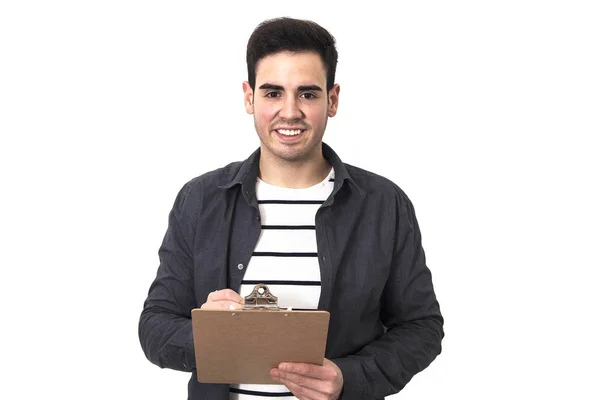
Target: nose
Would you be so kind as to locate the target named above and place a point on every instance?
(290, 109)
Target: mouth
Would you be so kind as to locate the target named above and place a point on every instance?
(290, 132)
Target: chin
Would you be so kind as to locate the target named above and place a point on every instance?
(291, 157)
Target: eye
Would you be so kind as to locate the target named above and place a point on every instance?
(272, 95)
(308, 95)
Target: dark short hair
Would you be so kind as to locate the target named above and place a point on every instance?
(290, 34)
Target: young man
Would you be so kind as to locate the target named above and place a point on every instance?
(322, 234)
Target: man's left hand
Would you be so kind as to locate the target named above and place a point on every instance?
(309, 381)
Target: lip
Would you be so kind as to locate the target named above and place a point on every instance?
(293, 138)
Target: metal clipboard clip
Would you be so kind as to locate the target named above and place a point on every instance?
(261, 299)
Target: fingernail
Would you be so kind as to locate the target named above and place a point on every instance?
(283, 367)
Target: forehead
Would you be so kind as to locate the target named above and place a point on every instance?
(291, 68)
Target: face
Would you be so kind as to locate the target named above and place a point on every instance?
(290, 104)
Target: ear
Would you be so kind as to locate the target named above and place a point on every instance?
(333, 98)
(248, 97)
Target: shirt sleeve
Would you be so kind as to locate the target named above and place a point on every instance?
(165, 326)
(411, 314)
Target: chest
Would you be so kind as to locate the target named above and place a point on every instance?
(350, 252)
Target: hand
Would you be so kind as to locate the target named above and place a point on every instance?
(310, 381)
(223, 300)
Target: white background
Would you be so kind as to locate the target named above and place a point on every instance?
(486, 113)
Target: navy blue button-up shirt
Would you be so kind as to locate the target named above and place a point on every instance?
(385, 321)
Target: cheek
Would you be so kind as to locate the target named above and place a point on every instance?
(265, 116)
(317, 116)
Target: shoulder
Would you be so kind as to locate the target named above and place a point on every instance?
(374, 184)
(382, 192)
(213, 179)
(206, 186)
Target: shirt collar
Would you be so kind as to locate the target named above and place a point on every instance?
(248, 172)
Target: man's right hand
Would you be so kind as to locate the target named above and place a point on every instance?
(223, 300)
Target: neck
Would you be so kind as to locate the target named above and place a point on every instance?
(297, 174)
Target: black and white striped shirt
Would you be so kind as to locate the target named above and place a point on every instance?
(285, 258)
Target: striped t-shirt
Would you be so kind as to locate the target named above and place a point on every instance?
(285, 259)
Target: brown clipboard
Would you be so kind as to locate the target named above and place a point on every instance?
(242, 346)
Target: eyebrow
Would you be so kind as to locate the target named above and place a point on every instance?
(303, 88)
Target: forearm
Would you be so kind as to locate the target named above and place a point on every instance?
(386, 365)
(410, 311)
(167, 339)
(165, 326)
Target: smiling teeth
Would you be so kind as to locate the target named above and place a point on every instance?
(287, 132)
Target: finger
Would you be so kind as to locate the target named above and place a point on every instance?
(221, 305)
(302, 392)
(310, 370)
(299, 380)
(317, 385)
(225, 294)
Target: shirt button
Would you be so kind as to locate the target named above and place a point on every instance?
(240, 266)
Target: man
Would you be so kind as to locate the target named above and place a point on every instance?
(322, 234)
